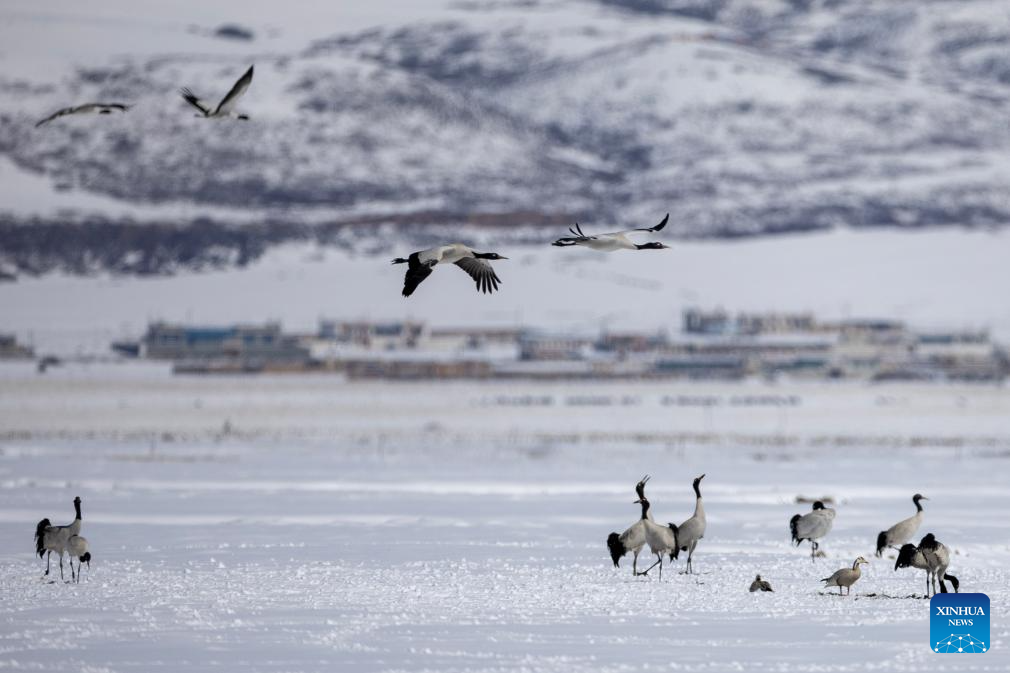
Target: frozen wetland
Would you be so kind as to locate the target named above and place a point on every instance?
(307, 524)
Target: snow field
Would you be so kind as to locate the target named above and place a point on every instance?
(378, 552)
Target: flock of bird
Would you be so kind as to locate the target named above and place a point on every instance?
(668, 541)
(420, 264)
(224, 110)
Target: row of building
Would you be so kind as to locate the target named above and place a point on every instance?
(710, 345)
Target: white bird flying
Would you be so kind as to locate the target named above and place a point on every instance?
(420, 265)
(87, 108)
(226, 108)
(615, 240)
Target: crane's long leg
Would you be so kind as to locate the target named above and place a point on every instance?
(49, 555)
(660, 562)
(634, 565)
(61, 566)
(646, 571)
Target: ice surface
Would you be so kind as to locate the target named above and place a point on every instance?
(423, 527)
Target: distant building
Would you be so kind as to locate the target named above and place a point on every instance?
(249, 343)
(807, 355)
(719, 322)
(470, 338)
(961, 356)
(703, 367)
(416, 369)
(373, 335)
(697, 321)
(624, 343)
(535, 346)
(712, 345)
(775, 323)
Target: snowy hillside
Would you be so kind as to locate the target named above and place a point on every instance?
(738, 117)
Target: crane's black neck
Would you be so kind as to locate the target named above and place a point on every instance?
(645, 508)
(918, 505)
(697, 488)
(77, 508)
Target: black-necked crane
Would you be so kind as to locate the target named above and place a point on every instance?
(845, 577)
(77, 547)
(612, 241)
(420, 264)
(692, 530)
(662, 540)
(50, 538)
(901, 532)
(760, 585)
(632, 539)
(85, 109)
(932, 556)
(226, 108)
(812, 526)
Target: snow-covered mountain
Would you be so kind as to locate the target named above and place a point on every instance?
(739, 117)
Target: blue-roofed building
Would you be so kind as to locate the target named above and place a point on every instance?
(249, 343)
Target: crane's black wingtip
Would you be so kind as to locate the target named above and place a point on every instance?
(663, 223)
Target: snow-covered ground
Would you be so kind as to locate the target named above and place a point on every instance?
(306, 524)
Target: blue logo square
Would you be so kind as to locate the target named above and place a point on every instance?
(959, 623)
